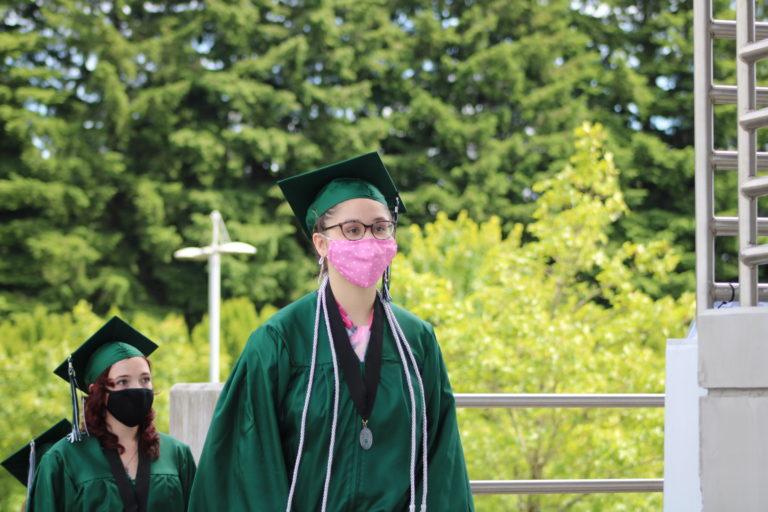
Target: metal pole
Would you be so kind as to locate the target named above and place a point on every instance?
(214, 297)
(745, 81)
(703, 148)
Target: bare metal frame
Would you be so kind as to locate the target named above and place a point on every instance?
(752, 45)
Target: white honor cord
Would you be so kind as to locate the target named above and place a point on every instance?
(335, 403)
(306, 399)
(424, 457)
(393, 326)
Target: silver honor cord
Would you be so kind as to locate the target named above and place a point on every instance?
(335, 403)
(320, 304)
(401, 339)
(398, 343)
(307, 396)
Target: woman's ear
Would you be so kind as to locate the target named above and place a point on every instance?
(321, 244)
(90, 389)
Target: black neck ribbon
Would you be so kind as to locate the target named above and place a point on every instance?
(363, 387)
(134, 499)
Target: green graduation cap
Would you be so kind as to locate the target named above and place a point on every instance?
(22, 464)
(115, 341)
(313, 193)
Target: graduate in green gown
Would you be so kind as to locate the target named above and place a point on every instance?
(118, 460)
(341, 400)
(22, 464)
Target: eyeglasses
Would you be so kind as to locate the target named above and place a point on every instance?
(354, 230)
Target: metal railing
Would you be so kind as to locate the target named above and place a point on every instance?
(752, 45)
(526, 400)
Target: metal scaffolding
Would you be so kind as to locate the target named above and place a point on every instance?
(752, 46)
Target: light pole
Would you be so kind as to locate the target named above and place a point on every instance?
(220, 243)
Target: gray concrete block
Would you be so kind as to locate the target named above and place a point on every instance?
(192, 408)
(733, 348)
(734, 453)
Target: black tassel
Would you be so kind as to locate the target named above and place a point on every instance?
(385, 285)
(31, 470)
(387, 273)
(75, 435)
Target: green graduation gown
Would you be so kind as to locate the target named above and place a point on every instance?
(250, 449)
(77, 477)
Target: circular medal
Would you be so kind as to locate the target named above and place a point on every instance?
(366, 438)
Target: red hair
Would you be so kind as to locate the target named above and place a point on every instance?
(95, 422)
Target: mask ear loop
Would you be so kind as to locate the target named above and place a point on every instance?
(388, 271)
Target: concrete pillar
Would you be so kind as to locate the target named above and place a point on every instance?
(733, 435)
(682, 485)
(191, 412)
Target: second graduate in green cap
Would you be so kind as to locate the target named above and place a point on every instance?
(341, 400)
(115, 459)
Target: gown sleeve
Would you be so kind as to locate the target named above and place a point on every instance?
(186, 473)
(448, 480)
(52, 489)
(242, 466)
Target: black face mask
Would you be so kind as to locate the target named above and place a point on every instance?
(130, 406)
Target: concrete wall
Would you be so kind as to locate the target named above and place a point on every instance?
(733, 436)
(191, 412)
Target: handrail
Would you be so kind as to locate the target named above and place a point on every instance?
(567, 486)
(557, 400)
(512, 400)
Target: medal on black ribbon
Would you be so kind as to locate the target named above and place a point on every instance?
(362, 387)
(366, 436)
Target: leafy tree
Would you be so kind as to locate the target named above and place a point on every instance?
(558, 313)
(112, 160)
(123, 124)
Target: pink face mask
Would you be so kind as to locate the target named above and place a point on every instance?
(362, 262)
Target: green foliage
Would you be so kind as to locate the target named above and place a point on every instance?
(123, 125)
(556, 314)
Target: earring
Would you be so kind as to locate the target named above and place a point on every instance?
(320, 261)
